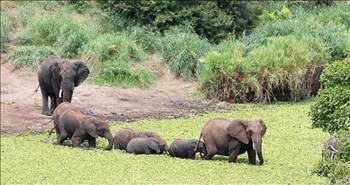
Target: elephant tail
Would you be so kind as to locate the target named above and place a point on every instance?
(37, 87)
(54, 126)
(199, 139)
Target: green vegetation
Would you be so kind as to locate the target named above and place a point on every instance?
(121, 74)
(182, 51)
(331, 112)
(29, 56)
(277, 71)
(291, 148)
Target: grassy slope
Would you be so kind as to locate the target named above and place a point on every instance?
(291, 150)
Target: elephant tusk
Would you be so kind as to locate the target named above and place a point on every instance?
(254, 146)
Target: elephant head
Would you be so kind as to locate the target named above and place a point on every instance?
(246, 131)
(69, 75)
(96, 127)
(199, 146)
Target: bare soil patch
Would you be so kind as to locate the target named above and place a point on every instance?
(168, 98)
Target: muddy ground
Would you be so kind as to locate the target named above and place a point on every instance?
(168, 98)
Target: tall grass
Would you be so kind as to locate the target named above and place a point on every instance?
(182, 51)
(29, 56)
(277, 71)
(113, 47)
(119, 73)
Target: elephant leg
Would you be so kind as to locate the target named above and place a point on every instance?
(192, 155)
(53, 103)
(251, 154)
(211, 151)
(234, 147)
(62, 135)
(76, 141)
(45, 99)
(92, 142)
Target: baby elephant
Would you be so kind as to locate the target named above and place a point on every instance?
(187, 149)
(125, 135)
(145, 146)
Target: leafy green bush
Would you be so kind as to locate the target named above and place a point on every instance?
(332, 110)
(337, 74)
(118, 47)
(182, 51)
(29, 56)
(213, 20)
(118, 73)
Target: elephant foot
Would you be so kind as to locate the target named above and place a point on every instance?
(46, 113)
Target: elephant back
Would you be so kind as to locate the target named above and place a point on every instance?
(122, 138)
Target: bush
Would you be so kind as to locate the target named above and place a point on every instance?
(29, 56)
(118, 73)
(182, 51)
(332, 110)
(119, 47)
(337, 74)
(5, 29)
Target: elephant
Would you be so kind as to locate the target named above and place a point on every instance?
(124, 135)
(145, 146)
(79, 127)
(231, 138)
(186, 149)
(57, 75)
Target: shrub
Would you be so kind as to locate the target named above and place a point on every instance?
(118, 47)
(119, 73)
(182, 51)
(29, 56)
(337, 74)
(332, 110)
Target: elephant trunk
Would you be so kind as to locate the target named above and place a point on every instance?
(109, 137)
(67, 95)
(257, 141)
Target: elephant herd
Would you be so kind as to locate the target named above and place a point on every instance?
(57, 79)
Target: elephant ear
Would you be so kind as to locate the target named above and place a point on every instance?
(55, 74)
(90, 128)
(82, 73)
(263, 125)
(154, 146)
(237, 130)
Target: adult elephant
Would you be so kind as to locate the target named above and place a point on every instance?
(55, 75)
(79, 127)
(232, 138)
